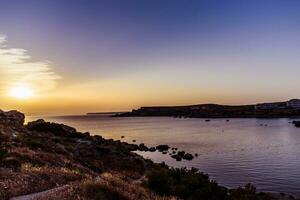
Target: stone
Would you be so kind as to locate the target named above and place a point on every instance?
(142, 147)
(296, 124)
(162, 147)
(12, 118)
(177, 157)
(188, 156)
(57, 129)
(152, 149)
(181, 153)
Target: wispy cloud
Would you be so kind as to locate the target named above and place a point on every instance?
(17, 67)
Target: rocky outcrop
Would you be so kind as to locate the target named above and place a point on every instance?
(162, 147)
(57, 129)
(12, 118)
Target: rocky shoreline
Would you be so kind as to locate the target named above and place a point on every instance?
(40, 156)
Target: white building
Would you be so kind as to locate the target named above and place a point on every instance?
(293, 103)
(266, 106)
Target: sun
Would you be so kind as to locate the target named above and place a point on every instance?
(21, 92)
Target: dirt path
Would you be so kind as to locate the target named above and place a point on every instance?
(38, 194)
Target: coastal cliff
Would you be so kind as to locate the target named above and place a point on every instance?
(54, 161)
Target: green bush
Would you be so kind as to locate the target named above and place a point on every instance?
(193, 185)
(184, 183)
(247, 193)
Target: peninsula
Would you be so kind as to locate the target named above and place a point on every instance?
(288, 109)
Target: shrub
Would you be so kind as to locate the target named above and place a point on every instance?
(247, 193)
(160, 182)
(184, 183)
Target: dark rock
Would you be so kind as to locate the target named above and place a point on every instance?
(57, 129)
(86, 134)
(162, 147)
(12, 118)
(133, 147)
(181, 153)
(98, 139)
(142, 147)
(122, 136)
(291, 197)
(177, 157)
(196, 155)
(296, 124)
(133, 140)
(152, 149)
(188, 156)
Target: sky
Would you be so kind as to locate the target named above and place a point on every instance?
(78, 56)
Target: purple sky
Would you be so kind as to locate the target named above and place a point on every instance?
(124, 54)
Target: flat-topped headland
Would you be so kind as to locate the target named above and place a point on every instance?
(50, 161)
(288, 109)
(105, 113)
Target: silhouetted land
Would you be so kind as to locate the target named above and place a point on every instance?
(105, 113)
(212, 111)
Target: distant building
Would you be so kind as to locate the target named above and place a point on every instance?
(267, 106)
(293, 103)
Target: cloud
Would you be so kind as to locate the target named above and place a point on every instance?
(17, 68)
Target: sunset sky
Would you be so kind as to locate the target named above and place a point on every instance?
(78, 56)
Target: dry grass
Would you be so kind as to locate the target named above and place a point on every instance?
(33, 179)
(106, 187)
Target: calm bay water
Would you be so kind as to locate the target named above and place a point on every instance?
(265, 152)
